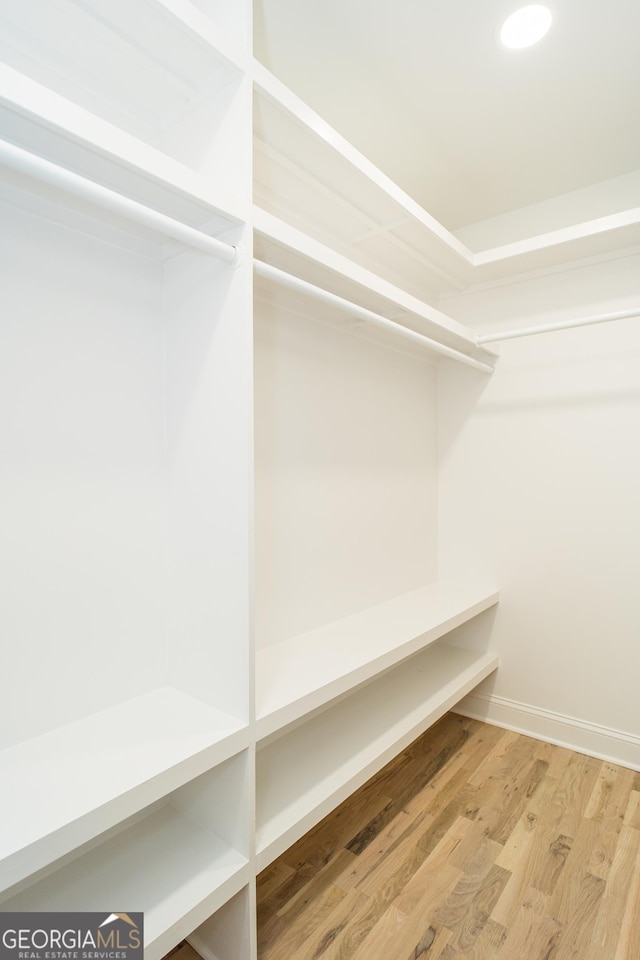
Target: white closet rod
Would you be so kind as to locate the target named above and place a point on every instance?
(354, 310)
(50, 173)
(560, 325)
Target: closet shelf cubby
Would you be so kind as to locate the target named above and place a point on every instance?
(170, 862)
(74, 782)
(300, 674)
(305, 773)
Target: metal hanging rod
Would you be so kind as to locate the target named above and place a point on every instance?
(560, 325)
(72, 183)
(354, 310)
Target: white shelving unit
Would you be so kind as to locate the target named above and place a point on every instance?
(351, 664)
(305, 773)
(346, 440)
(161, 728)
(150, 744)
(127, 768)
(296, 676)
(178, 863)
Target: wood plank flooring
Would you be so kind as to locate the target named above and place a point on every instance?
(474, 844)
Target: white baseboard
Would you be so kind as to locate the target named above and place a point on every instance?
(604, 743)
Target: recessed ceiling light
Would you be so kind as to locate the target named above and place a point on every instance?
(526, 26)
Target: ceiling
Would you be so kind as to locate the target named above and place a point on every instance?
(470, 129)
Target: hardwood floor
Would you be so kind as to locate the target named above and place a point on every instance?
(474, 844)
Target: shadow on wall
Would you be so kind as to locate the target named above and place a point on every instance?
(460, 390)
(476, 634)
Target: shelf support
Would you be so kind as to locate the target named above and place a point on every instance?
(353, 309)
(559, 325)
(60, 178)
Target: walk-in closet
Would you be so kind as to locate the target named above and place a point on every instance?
(313, 431)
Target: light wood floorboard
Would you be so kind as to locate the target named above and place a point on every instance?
(475, 843)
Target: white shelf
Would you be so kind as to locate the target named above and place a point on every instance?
(147, 97)
(138, 62)
(308, 174)
(302, 673)
(588, 240)
(283, 246)
(304, 774)
(71, 784)
(45, 123)
(175, 871)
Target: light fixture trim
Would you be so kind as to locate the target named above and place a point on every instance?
(526, 26)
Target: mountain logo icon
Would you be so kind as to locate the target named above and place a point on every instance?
(119, 916)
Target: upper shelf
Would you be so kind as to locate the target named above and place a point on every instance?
(140, 63)
(298, 675)
(280, 245)
(309, 175)
(48, 125)
(100, 770)
(147, 97)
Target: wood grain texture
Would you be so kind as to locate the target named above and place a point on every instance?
(473, 844)
(184, 951)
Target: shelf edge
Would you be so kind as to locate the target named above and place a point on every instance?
(459, 337)
(279, 718)
(63, 837)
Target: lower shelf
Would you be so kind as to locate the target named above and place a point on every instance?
(307, 772)
(171, 863)
(64, 788)
(298, 675)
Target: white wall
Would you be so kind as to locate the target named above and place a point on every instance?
(346, 487)
(540, 487)
(124, 476)
(82, 613)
